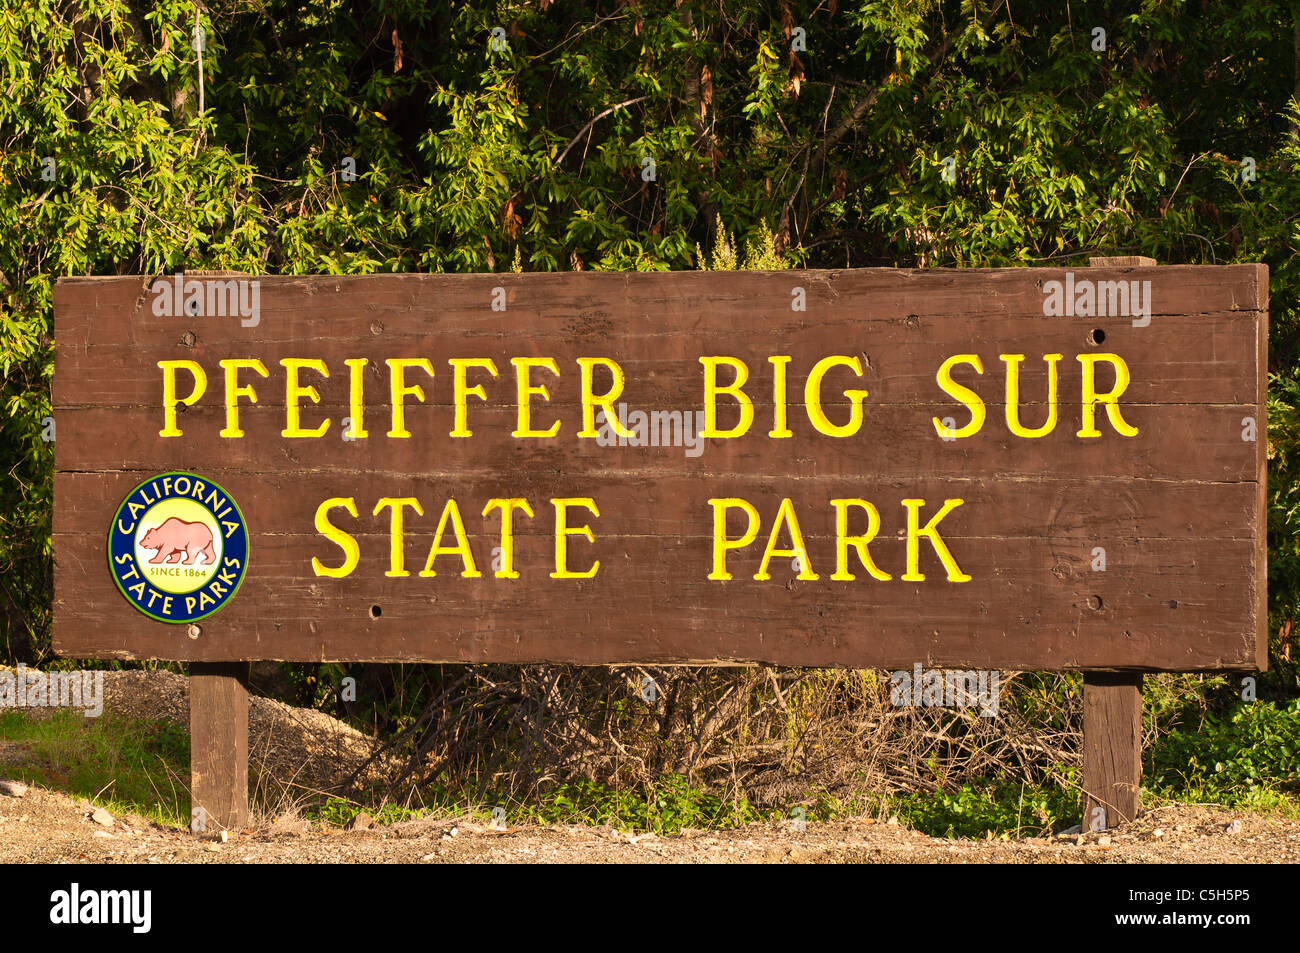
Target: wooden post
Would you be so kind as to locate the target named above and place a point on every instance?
(218, 724)
(1122, 261)
(1112, 713)
(1112, 748)
(218, 746)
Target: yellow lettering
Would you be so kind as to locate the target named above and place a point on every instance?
(1013, 395)
(460, 365)
(720, 541)
(964, 394)
(507, 507)
(779, 410)
(293, 391)
(234, 391)
(400, 389)
(914, 535)
(785, 515)
(812, 397)
(1091, 398)
(452, 512)
(356, 396)
(734, 389)
(525, 390)
(563, 532)
(169, 369)
(397, 553)
(605, 402)
(343, 540)
(843, 541)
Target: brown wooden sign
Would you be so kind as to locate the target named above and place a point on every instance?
(1024, 469)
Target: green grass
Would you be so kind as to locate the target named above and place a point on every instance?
(1249, 758)
(668, 807)
(338, 811)
(998, 808)
(671, 805)
(124, 766)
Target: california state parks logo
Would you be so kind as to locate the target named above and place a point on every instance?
(178, 547)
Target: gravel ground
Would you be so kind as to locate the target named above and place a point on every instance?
(49, 827)
(310, 749)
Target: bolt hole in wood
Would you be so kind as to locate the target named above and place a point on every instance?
(1094, 603)
(376, 612)
(1096, 336)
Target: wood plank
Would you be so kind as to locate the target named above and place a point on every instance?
(1173, 605)
(586, 304)
(1200, 355)
(1193, 443)
(675, 504)
(1120, 261)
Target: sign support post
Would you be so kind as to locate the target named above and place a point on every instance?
(1112, 715)
(1112, 748)
(218, 725)
(218, 746)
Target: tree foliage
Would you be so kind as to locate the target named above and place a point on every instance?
(628, 135)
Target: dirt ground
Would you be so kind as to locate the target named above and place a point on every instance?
(48, 826)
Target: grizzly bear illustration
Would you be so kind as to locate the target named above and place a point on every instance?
(176, 538)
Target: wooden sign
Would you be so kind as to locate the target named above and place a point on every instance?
(1022, 468)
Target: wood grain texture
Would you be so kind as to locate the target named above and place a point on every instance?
(1179, 508)
(1112, 748)
(1116, 261)
(218, 746)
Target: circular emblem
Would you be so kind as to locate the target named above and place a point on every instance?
(178, 547)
